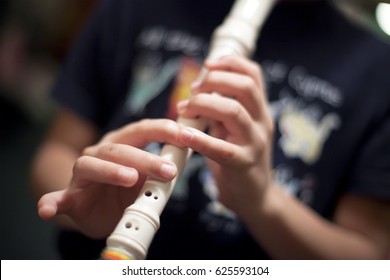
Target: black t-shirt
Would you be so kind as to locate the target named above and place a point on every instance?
(327, 86)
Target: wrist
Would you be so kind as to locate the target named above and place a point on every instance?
(268, 209)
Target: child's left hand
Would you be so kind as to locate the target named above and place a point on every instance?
(239, 139)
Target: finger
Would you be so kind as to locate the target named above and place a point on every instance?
(91, 169)
(126, 162)
(213, 148)
(244, 66)
(229, 112)
(237, 64)
(240, 87)
(50, 205)
(140, 134)
(217, 130)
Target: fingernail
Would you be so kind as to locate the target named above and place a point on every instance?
(216, 60)
(209, 61)
(181, 106)
(168, 170)
(126, 174)
(196, 84)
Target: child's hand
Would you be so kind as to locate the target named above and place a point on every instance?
(240, 133)
(108, 177)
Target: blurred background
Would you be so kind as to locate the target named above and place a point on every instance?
(35, 36)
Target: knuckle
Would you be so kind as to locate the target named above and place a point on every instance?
(231, 59)
(170, 125)
(148, 159)
(195, 102)
(261, 139)
(196, 99)
(234, 110)
(88, 151)
(226, 155)
(80, 164)
(109, 151)
(109, 135)
(138, 125)
(248, 84)
(257, 70)
(141, 125)
(153, 162)
(144, 121)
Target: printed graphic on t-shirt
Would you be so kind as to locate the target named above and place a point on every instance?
(160, 61)
(303, 188)
(302, 122)
(303, 136)
(188, 72)
(150, 78)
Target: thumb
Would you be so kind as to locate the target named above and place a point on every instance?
(51, 205)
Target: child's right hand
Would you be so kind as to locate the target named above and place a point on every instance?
(109, 175)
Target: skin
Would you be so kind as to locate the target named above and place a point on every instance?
(84, 183)
(96, 182)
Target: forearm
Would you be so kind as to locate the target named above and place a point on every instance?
(52, 171)
(53, 164)
(52, 168)
(288, 229)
